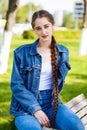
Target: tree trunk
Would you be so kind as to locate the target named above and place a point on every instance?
(85, 14)
(83, 40)
(7, 35)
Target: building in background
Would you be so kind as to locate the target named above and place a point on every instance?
(78, 11)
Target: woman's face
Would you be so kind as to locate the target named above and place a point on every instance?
(43, 29)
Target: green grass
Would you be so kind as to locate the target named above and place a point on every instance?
(75, 83)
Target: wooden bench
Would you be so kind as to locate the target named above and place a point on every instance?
(79, 106)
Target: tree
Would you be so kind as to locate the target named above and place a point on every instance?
(83, 41)
(68, 21)
(3, 7)
(7, 35)
(85, 14)
(24, 12)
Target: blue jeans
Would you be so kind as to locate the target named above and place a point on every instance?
(65, 118)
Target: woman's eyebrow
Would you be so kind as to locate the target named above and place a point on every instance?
(47, 24)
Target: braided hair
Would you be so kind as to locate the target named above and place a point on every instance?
(54, 53)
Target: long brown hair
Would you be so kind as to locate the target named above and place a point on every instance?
(54, 55)
(54, 59)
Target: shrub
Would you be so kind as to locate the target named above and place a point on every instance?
(29, 34)
(59, 34)
(67, 34)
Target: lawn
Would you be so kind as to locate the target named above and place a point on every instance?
(75, 83)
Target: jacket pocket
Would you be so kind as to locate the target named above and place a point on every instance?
(26, 74)
(25, 70)
(29, 75)
(29, 69)
(64, 68)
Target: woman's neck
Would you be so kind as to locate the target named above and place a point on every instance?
(44, 50)
(44, 44)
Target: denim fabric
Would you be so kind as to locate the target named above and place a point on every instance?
(26, 77)
(65, 118)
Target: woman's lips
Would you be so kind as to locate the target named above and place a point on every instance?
(44, 36)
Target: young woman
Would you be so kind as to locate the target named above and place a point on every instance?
(38, 75)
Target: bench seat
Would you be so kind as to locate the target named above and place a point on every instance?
(79, 106)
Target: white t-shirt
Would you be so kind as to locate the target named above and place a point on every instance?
(46, 76)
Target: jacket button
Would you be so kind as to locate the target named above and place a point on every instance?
(37, 77)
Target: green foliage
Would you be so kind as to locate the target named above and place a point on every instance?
(3, 7)
(67, 34)
(70, 23)
(80, 23)
(24, 12)
(29, 34)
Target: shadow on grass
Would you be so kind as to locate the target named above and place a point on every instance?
(5, 92)
(6, 123)
(8, 126)
(79, 76)
(4, 84)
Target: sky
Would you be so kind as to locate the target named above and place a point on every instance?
(53, 5)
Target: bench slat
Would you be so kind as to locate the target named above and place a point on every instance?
(84, 120)
(75, 100)
(79, 106)
(82, 112)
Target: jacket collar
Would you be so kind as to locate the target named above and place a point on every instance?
(61, 48)
(33, 50)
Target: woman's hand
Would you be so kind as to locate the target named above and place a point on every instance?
(42, 118)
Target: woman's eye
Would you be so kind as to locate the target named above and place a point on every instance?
(46, 26)
(38, 28)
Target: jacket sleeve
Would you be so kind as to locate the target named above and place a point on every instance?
(19, 91)
(64, 67)
(64, 64)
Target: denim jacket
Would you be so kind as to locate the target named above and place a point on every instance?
(26, 76)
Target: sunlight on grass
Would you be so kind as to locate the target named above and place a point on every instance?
(2, 121)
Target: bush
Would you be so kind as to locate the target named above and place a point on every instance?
(67, 34)
(29, 34)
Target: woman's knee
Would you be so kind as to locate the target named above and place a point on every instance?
(70, 124)
(25, 123)
(74, 124)
(67, 120)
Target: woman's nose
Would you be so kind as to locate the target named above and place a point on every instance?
(43, 31)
